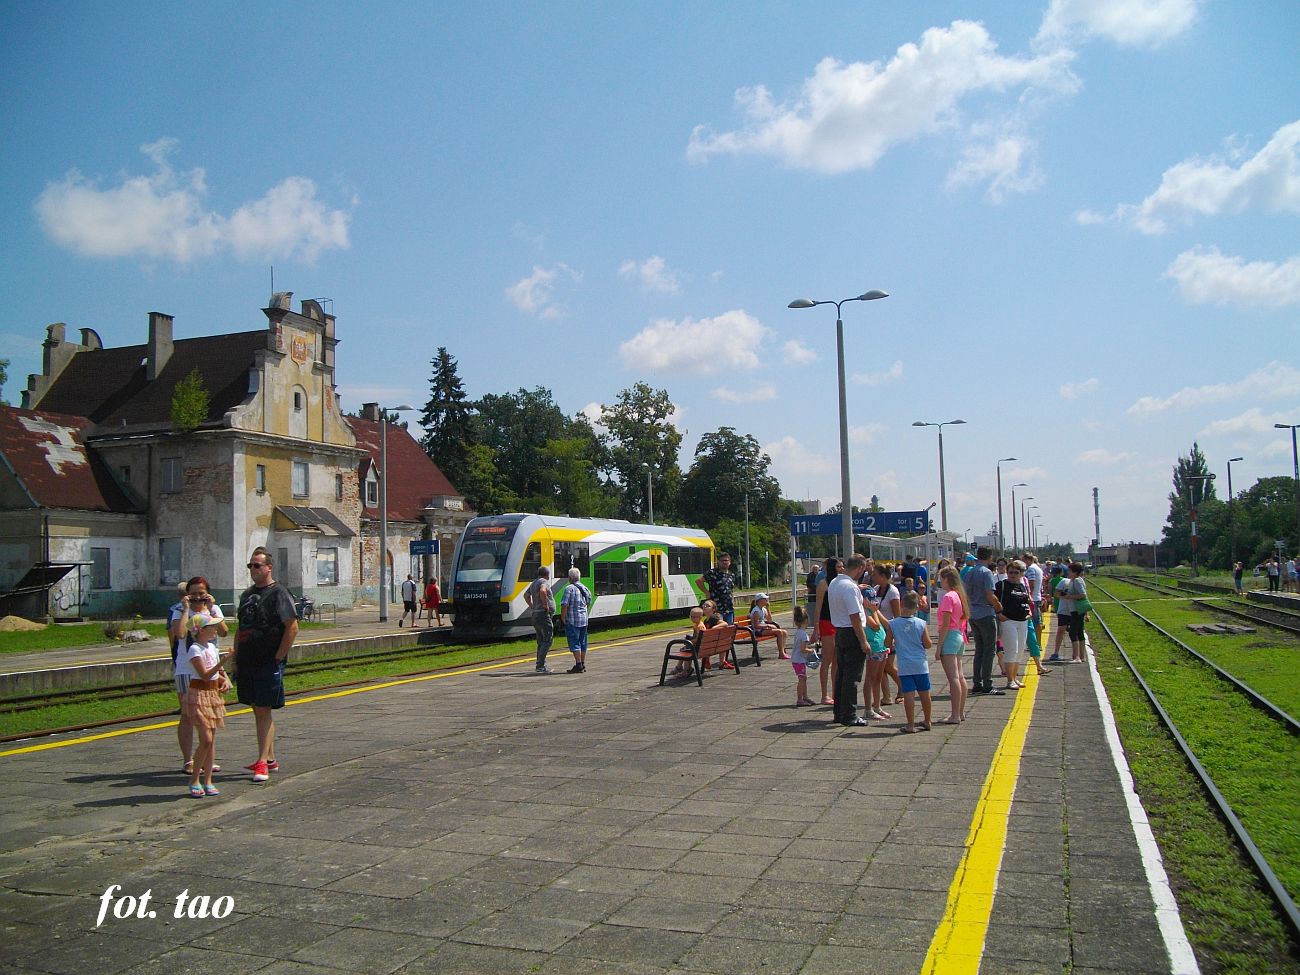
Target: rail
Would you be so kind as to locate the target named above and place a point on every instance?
(1252, 695)
(1280, 895)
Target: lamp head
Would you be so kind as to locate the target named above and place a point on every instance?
(1233, 460)
(802, 303)
(955, 423)
(918, 423)
(872, 295)
(1005, 459)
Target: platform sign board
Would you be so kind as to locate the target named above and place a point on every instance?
(864, 523)
(424, 546)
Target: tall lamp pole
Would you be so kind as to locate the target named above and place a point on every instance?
(1002, 538)
(1029, 545)
(943, 488)
(1014, 542)
(1232, 524)
(846, 507)
(1024, 521)
(650, 491)
(383, 507)
(1295, 472)
(747, 573)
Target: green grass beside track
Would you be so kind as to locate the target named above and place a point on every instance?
(1267, 660)
(66, 635)
(1228, 913)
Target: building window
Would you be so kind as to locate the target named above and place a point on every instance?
(169, 561)
(372, 491)
(172, 478)
(327, 566)
(125, 471)
(100, 576)
(338, 487)
(297, 401)
(300, 482)
(261, 478)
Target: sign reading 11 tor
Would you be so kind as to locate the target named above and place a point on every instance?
(864, 523)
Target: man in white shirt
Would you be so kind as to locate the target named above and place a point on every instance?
(409, 605)
(1034, 579)
(845, 601)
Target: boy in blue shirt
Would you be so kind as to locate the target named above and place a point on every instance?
(911, 641)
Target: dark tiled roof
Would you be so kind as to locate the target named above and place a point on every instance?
(47, 452)
(109, 387)
(414, 479)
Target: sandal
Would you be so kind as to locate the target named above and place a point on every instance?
(905, 730)
(828, 700)
(898, 699)
(188, 767)
(196, 791)
(211, 790)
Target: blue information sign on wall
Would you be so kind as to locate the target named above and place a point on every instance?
(864, 523)
(424, 546)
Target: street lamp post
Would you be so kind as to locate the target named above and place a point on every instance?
(1024, 521)
(383, 507)
(846, 506)
(748, 576)
(1295, 472)
(1232, 524)
(1014, 542)
(943, 488)
(1028, 519)
(1002, 538)
(650, 491)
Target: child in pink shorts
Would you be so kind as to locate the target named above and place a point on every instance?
(799, 658)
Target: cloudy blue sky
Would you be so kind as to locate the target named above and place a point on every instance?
(1085, 213)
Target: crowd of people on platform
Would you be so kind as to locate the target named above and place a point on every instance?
(870, 621)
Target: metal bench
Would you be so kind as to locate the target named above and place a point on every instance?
(745, 634)
(719, 640)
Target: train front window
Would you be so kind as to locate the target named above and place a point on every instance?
(482, 560)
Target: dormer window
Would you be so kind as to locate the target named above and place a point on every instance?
(372, 488)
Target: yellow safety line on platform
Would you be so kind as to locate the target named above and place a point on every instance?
(347, 692)
(958, 943)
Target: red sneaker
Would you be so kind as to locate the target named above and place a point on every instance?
(728, 665)
(260, 772)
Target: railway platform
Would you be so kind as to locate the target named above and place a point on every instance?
(490, 820)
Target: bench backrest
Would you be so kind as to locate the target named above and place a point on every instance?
(715, 639)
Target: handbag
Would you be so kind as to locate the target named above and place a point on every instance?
(1083, 606)
(814, 657)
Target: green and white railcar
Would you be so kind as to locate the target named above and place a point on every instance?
(631, 570)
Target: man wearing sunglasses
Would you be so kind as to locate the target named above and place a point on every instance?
(268, 625)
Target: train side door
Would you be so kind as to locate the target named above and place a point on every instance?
(658, 598)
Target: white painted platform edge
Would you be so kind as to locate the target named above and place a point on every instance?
(1182, 960)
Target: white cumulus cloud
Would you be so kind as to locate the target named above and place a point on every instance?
(1075, 390)
(1102, 457)
(1272, 381)
(701, 346)
(1254, 420)
(866, 434)
(1131, 23)
(653, 274)
(163, 216)
(846, 116)
(1206, 276)
(1003, 161)
(753, 394)
(797, 354)
(892, 374)
(535, 294)
(1268, 181)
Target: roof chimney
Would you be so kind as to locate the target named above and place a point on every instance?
(160, 343)
(370, 411)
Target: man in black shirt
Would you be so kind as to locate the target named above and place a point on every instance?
(720, 584)
(268, 625)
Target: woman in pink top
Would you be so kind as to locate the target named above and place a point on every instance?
(954, 611)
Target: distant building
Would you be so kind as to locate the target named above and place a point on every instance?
(1132, 553)
(96, 485)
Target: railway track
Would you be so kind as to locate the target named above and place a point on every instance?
(1279, 619)
(1285, 904)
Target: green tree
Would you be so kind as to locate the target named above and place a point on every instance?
(1189, 489)
(446, 418)
(189, 402)
(641, 440)
(1264, 513)
(574, 489)
(481, 485)
(4, 378)
(728, 467)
